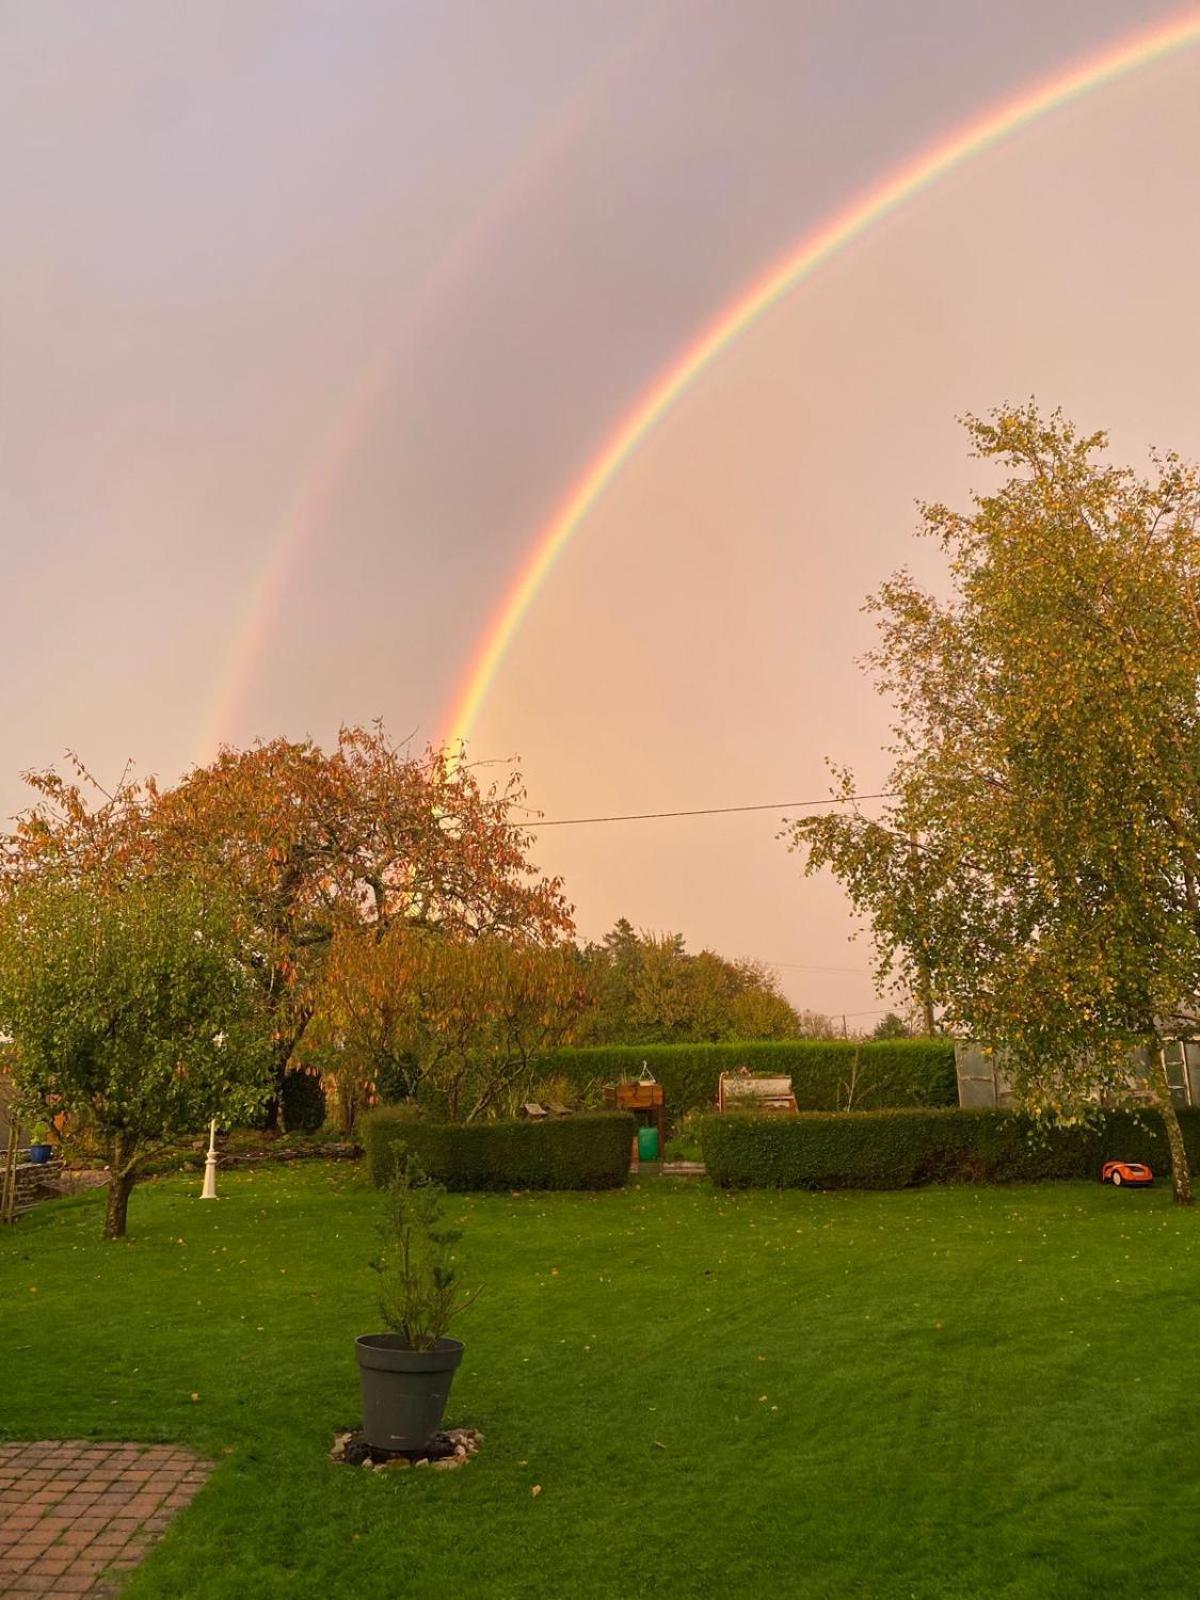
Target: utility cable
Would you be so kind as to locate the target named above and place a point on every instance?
(703, 811)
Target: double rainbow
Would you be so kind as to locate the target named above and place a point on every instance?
(1129, 55)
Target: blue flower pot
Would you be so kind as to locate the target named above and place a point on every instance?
(39, 1154)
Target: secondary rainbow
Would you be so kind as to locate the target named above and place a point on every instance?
(331, 460)
(1130, 54)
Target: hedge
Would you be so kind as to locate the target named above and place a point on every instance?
(590, 1151)
(891, 1072)
(896, 1149)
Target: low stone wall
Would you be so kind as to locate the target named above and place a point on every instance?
(36, 1181)
(335, 1150)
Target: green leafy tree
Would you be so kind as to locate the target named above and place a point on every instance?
(131, 1013)
(1035, 872)
(651, 990)
(892, 1026)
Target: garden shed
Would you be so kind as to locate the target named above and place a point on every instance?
(982, 1080)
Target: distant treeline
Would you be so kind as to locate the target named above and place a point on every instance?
(649, 989)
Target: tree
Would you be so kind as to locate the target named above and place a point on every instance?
(651, 990)
(305, 842)
(1035, 871)
(816, 1025)
(892, 1027)
(418, 1283)
(462, 1022)
(130, 1012)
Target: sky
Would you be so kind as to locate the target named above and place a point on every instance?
(310, 314)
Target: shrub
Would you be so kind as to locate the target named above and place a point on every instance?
(889, 1072)
(303, 1102)
(584, 1152)
(896, 1149)
(684, 1145)
(560, 1089)
(418, 1293)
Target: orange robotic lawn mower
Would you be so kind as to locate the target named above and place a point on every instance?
(1126, 1174)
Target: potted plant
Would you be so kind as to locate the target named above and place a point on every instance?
(40, 1148)
(406, 1373)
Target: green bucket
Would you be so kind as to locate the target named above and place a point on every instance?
(647, 1144)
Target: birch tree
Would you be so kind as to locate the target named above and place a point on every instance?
(1034, 873)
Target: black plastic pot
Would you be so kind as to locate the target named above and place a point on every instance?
(404, 1392)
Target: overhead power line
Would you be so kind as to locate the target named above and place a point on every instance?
(704, 811)
(805, 966)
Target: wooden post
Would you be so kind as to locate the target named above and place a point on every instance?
(8, 1190)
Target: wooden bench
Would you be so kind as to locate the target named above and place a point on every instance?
(739, 1091)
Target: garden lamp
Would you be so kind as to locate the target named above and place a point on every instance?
(209, 1191)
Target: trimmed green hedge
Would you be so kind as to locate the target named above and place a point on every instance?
(585, 1152)
(891, 1072)
(896, 1149)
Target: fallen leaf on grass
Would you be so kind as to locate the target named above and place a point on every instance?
(536, 1490)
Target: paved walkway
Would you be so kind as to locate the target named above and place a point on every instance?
(75, 1515)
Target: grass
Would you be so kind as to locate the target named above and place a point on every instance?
(683, 1150)
(950, 1392)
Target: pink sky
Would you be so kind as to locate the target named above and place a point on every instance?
(218, 221)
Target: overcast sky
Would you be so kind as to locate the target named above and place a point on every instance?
(368, 285)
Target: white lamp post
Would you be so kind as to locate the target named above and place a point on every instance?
(209, 1192)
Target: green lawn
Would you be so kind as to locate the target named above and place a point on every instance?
(957, 1391)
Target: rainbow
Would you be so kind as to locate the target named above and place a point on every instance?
(1132, 53)
(316, 493)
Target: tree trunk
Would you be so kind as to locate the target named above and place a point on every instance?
(927, 1016)
(924, 985)
(122, 1175)
(273, 1108)
(120, 1186)
(1181, 1177)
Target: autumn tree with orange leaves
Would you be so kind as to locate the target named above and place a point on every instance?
(457, 1022)
(305, 843)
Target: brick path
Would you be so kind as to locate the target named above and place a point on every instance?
(75, 1515)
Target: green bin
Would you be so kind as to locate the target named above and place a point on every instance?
(647, 1144)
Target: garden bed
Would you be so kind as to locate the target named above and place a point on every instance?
(446, 1450)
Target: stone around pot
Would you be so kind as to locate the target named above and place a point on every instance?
(404, 1391)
